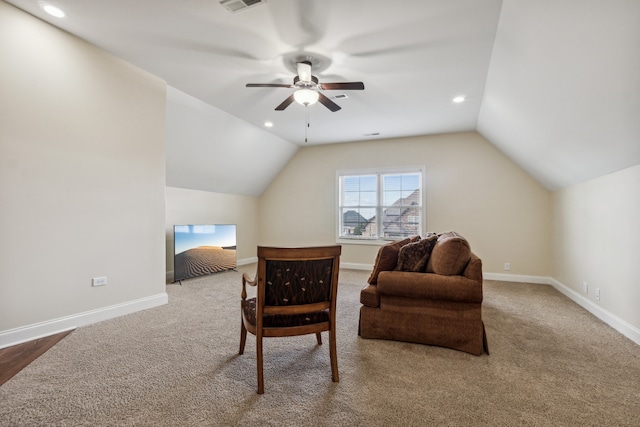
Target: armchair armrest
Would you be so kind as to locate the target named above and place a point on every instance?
(429, 286)
(247, 280)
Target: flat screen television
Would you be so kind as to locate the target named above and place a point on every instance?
(199, 250)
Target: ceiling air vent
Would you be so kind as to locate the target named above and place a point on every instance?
(234, 6)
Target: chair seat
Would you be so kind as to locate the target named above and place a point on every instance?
(282, 320)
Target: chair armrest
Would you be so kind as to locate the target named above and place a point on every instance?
(369, 296)
(473, 270)
(247, 280)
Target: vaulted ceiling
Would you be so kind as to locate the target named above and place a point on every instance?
(554, 84)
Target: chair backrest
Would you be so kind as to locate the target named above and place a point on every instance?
(297, 277)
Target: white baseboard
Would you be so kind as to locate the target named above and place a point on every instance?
(620, 325)
(356, 266)
(62, 324)
(607, 317)
(246, 261)
(502, 277)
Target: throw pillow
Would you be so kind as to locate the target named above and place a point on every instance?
(414, 256)
(387, 259)
(450, 255)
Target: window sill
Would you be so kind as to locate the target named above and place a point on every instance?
(368, 242)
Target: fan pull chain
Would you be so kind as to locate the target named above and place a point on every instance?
(306, 127)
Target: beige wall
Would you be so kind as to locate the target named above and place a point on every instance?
(81, 175)
(203, 207)
(596, 231)
(471, 188)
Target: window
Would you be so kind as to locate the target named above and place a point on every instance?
(386, 205)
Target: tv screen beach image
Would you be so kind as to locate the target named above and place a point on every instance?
(203, 249)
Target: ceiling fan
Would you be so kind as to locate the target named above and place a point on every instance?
(308, 88)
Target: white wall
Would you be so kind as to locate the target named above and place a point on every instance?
(211, 150)
(203, 207)
(81, 181)
(596, 239)
(471, 188)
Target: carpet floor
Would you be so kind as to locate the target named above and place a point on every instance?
(551, 364)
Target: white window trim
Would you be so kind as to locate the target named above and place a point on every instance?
(368, 171)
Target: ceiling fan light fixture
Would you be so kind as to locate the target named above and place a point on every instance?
(306, 97)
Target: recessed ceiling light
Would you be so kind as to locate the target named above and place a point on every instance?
(268, 124)
(459, 99)
(52, 10)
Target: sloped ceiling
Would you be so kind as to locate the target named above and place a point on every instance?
(554, 84)
(563, 92)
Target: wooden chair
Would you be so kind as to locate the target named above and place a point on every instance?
(296, 295)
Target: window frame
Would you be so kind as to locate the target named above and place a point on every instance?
(378, 240)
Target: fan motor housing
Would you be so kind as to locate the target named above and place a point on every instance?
(298, 83)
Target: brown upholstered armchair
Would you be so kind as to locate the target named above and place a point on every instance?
(431, 297)
(296, 295)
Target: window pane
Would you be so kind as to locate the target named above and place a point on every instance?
(368, 198)
(402, 189)
(350, 199)
(410, 181)
(359, 183)
(392, 182)
(358, 222)
(392, 198)
(359, 190)
(411, 198)
(368, 183)
(401, 223)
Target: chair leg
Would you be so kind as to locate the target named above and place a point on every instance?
(319, 338)
(259, 362)
(333, 355)
(243, 336)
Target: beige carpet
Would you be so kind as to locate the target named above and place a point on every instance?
(551, 364)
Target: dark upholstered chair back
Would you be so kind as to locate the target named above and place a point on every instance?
(298, 282)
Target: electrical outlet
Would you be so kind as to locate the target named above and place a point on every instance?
(99, 281)
(585, 287)
(507, 266)
(598, 294)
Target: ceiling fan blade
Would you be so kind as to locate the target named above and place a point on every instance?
(285, 103)
(342, 86)
(328, 103)
(268, 85)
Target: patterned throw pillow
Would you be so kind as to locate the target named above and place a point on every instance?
(387, 258)
(414, 256)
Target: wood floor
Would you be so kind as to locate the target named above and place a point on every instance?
(13, 359)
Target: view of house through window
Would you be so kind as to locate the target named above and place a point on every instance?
(385, 205)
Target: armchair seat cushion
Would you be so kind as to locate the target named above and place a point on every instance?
(282, 320)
